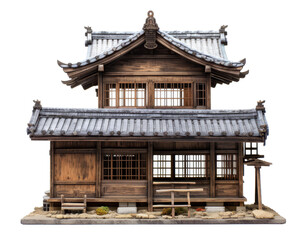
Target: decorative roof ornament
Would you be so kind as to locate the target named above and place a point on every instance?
(37, 104)
(223, 34)
(260, 105)
(150, 27)
(88, 35)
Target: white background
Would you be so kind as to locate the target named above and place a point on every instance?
(34, 34)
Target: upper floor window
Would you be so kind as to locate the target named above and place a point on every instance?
(173, 94)
(124, 94)
(200, 94)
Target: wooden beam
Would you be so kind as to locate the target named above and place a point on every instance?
(101, 67)
(98, 169)
(207, 69)
(212, 170)
(150, 176)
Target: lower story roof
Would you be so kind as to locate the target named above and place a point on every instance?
(66, 123)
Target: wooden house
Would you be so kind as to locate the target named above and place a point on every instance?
(154, 127)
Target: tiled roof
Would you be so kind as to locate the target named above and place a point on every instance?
(210, 42)
(207, 46)
(58, 122)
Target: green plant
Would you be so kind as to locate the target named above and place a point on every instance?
(178, 211)
(166, 211)
(101, 211)
(105, 208)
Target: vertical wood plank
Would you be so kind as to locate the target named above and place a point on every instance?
(259, 190)
(212, 169)
(150, 176)
(241, 168)
(151, 94)
(208, 91)
(172, 203)
(52, 164)
(100, 90)
(98, 169)
(189, 203)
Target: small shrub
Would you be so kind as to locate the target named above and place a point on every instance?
(105, 208)
(178, 211)
(101, 211)
(166, 211)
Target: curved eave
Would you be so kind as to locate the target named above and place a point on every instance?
(83, 73)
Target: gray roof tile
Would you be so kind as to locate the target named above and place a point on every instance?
(147, 122)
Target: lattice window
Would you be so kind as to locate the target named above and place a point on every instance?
(124, 166)
(173, 94)
(200, 94)
(191, 166)
(132, 94)
(181, 166)
(227, 166)
(251, 149)
(110, 95)
(162, 166)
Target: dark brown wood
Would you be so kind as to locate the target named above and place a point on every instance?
(259, 190)
(150, 176)
(99, 169)
(100, 89)
(52, 164)
(212, 170)
(240, 168)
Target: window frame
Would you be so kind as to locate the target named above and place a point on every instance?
(173, 175)
(228, 167)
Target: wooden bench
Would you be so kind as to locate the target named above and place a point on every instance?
(75, 206)
(172, 191)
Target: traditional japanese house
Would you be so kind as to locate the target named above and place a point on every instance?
(154, 127)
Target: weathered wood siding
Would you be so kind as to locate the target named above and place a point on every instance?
(205, 192)
(124, 188)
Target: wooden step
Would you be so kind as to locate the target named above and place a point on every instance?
(168, 206)
(72, 205)
(73, 208)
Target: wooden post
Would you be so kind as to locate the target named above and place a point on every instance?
(259, 190)
(241, 169)
(212, 169)
(52, 162)
(85, 204)
(256, 193)
(172, 203)
(189, 204)
(208, 92)
(150, 176)
(100, 90)
(98, 169)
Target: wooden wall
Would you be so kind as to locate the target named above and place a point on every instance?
(76, 170)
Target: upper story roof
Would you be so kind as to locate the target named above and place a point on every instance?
(203, 48)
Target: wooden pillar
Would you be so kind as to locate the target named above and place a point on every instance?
(100, 90)
(212, 170)
(150, 176)
(151, 94)
(256, 193)
(98, 169)
(241, 168)
(259, 190)
(208, 92)
(52, 164)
